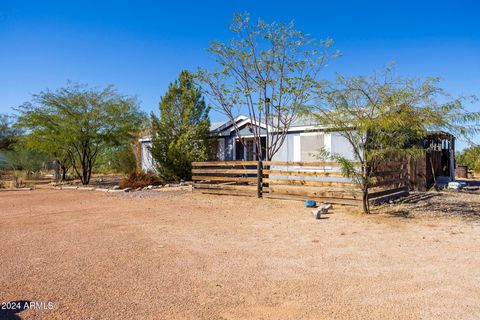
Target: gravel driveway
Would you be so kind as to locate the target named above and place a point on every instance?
(177, 255)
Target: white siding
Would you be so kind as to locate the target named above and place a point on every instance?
(341, 146)
(287, 150)
(148, 164)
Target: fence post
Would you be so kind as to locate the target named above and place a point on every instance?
(259, 179)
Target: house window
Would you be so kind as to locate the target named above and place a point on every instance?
(310, 147)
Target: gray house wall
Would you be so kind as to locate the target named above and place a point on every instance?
(291, 150)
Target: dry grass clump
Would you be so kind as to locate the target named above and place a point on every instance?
(140, 180)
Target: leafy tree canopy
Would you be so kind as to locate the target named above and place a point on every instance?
(78, 123)
(9, 134)
(384, 115)
(470, 157)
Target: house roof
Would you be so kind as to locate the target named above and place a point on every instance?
(216, 125)
(225, 127)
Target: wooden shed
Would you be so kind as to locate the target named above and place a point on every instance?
(438, 165)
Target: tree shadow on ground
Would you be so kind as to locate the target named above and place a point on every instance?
(400, 213)
(9, 310)
(459, 204)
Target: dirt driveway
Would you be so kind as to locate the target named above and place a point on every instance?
(177, 255)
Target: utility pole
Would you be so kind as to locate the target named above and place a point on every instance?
(267, 112)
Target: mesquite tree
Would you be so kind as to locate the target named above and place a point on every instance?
(77, 123)
(384, 116)
(268, 71)
(9, 134)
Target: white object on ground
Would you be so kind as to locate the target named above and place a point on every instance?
(454, 186)
(317, 213)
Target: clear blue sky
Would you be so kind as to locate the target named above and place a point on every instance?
(141, 46)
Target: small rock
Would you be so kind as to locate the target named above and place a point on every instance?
(150, 187)
(167, 185)
(116, 188)
(139, 189)
(127, 189)
(322, 209)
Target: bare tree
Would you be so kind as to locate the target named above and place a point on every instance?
(268, 71)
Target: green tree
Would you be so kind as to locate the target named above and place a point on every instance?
(268, 71)
(384, 116)
(77, 123)
(118, 159)
(8, 137)
(470, 156)
(24, 159)
(181, 134)
(8, 132)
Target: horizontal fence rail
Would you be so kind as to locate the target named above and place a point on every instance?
(240, 178)
(321, 181)
(391, 182)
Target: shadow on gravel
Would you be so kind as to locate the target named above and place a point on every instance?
(9, 310)
(462, 204)
(400, 213)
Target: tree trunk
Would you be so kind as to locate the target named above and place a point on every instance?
(64, 173)
(365, 205)
(56, 174)
(84, 177)
(88, 172)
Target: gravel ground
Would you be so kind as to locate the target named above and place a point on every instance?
(464, 205)
(178, 255)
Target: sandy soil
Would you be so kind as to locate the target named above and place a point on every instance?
(177, 255)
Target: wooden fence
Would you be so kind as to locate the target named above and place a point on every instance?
(242, 178)
(321, 181)
(392, 181)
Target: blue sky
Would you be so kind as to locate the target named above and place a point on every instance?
(141, 46)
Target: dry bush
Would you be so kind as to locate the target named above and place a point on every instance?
(140, 180)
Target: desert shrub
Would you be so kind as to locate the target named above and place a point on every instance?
(139, 180)
(120, 159)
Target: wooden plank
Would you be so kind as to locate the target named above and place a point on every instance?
(303, 173)
(393, 176)
(339, 189)
(227, 192)
(388, 173)
(308, 192)
(224, 187)
(226, 171)
(320, 199)
(259, 190)
(306, 183)
(224, 163)
(389, 182)
(209, 178)
(303, 164)
(386, 192)
(395, 163)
